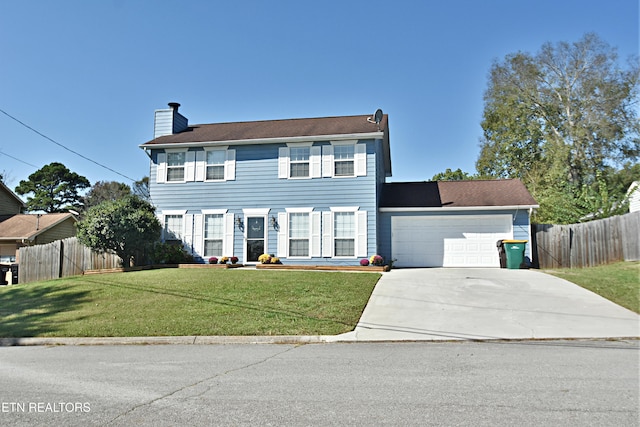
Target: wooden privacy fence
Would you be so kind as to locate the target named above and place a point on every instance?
(61, 258)
(587, 244)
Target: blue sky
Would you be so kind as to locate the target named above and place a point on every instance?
(89, 74)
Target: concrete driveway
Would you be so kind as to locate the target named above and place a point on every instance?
(482, 304)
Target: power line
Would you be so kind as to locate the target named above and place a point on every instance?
(15, 158)
(66, 148)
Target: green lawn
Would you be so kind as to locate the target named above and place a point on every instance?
(175, 302)
(619, 282)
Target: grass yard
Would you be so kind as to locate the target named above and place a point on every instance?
(175, 302)
(619, 282)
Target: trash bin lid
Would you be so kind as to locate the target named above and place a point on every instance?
(514, 241)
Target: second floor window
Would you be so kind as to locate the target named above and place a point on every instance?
(215, 165)
(175, 166)
(299, 162)
(343, 156)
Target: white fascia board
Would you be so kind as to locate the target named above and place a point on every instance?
(460, 208)
(358, 136)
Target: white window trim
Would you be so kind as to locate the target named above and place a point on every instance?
(359, 159)
(360, 232)
(229, 164)
(163, 217)
(164, 168)
(315, 161)
(315, 233)
(206, 164)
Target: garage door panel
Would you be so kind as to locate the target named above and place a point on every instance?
(449, 241)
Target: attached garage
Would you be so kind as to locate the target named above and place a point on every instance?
(448, 241)
(452, 223)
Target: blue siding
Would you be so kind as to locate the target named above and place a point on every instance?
(257, 185)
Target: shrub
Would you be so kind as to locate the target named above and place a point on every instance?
(167, 253)
(213, 260)
(224, 260)
(234, 259)
(364, 262)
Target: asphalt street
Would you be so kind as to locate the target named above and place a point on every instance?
(569, 383)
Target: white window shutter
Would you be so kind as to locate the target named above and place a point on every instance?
(361, 159)
(198, 237)
(187, 232)
(227, 243)
(315, 234)
(327, 161)
(361, 233)
(190, 166)
(201, 165)
(161, 170)
(283, 162)
(283, 235)
(327, 234)
(315, 162)
(230, 166)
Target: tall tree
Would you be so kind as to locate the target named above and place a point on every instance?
(141, 188)
(127, 226)
(55, 189)
(559, 118)
(449, 175)
(103, 191)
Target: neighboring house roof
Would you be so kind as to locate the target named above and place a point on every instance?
(29, 226)
(11, 194)
(457, 194)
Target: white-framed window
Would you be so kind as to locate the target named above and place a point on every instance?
(344, 159)
(299, 234)
(173, 227)
(214, 234)
(176, 166)
(300, 160)
(215, 161)
(344, 232)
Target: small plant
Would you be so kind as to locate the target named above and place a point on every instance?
(234, 259)
(364, 262)
(376, 260)
(264, 258)
(167, 253)
(224, 260)
(275, 260)
(213, 260)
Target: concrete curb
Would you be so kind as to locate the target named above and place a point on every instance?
(182, 340)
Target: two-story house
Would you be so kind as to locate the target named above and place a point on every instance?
(310, 191)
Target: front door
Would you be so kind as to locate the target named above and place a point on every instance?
(255, 238)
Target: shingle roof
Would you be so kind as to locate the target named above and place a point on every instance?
(27, 226)
(452, 194)
(271, 129)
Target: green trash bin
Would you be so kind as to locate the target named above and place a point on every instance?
(514, 250)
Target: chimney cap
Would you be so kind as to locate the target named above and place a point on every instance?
(174, 106)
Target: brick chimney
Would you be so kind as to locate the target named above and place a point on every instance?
(168, 122)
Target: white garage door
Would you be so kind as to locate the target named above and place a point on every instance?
(448, 241)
